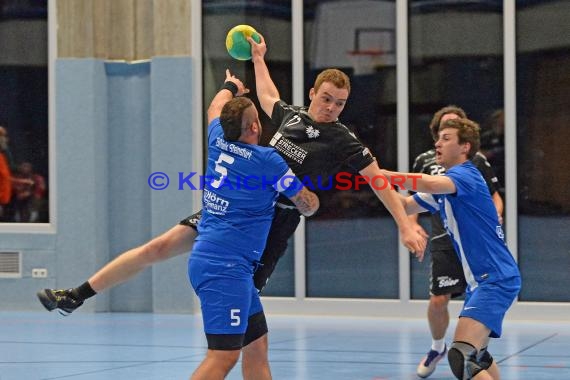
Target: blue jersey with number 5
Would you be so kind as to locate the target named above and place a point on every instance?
(240, 188)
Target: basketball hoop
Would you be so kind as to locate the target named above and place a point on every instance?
(365, 61)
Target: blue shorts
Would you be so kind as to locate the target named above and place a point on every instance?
(227, 295)
(489, 302)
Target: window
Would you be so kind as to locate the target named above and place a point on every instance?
(24, 111)
(455, 57)
(543, 116)
(352, 243)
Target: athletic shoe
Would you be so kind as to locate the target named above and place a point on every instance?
(428, 363)
(60, 299)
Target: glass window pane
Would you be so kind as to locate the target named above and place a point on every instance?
(272, 18)
(24, 161)
(352, 244)
(543, 117)
(455, 57)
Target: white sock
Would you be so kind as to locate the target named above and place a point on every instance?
(438, 345)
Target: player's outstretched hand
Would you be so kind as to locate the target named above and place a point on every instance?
(242, 90)
(415, 240)
(258, 50)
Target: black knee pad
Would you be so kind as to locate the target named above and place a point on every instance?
(462, 358)
(484, 358)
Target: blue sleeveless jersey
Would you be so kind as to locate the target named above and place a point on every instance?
(241, 185)
(470, 218)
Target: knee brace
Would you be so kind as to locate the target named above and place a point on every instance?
(484, 358)
(462, 358)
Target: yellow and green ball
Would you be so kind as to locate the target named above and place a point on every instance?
(236, 41)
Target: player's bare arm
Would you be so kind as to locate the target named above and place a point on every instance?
(424, 183)
(267, 92)
(411, 206)
(499, 205)
(306, 202)
(413, 240)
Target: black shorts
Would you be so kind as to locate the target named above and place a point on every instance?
(283, 226)
(446, 274)
(192, 220)
(256, 328)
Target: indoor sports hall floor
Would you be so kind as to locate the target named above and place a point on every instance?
(84, 346)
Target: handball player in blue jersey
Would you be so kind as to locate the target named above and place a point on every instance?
(241, 186)
(446, 274)
(462, 199)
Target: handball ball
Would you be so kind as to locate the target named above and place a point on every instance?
(236, 41)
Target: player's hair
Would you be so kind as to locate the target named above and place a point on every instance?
(232, 117)
(436, 120)
(467, 132)
(335, 76)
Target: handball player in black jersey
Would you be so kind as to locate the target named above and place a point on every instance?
(311, 140)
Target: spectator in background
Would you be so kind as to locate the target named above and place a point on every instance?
(39, 202)
(5, 148)
(5, 175)
(28, 191)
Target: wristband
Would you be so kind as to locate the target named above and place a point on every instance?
(231, 87)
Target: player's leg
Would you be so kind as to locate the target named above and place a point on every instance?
(470, 337)
(486, 361)
(446, 281)
(255, 361)
(216, 365)
(176, 241)
(223, 292)
(438, 318)
(283, 226)
(482, 317)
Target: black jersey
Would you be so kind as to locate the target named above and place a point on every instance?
(314, 149)
(425, 163)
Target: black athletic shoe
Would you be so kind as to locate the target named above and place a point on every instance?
(59, 299)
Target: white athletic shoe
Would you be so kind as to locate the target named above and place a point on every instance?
(429, 362)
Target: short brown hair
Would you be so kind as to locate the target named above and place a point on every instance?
(467, 132)
(335, 76)
(232, 118)
(436, 120)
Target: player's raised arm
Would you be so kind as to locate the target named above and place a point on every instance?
(267, 92)
(232, 87)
